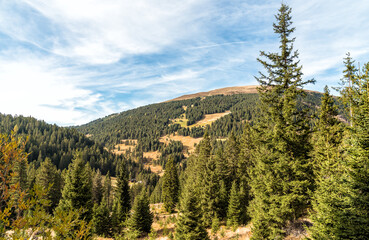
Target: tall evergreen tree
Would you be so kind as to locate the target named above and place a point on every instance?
(234, 214)
(122, 195)
(328, 170)
(108, 191)
(170, 186)
(189, 224)
(210, 200)
(349, 87)
(244, 168)
(101, 221)
(348, 206)
(231, 154)
(358, 163)
(48, 177)
(328, 133)
(97, 187)
(222, 203)
(281, 177)
(205, 181)
(77, 192)
(141, 218)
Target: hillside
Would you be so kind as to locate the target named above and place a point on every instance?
(61, 144)
(218, 111)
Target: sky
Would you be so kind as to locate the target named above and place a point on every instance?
(69, 62)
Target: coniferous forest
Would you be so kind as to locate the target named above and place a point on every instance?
(285, 163)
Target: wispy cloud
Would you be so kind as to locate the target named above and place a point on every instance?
(69, 62)
(102, 32)
(41, 87)
(326, 31)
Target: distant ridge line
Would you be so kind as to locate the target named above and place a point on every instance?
(220, 91)
(223, 91)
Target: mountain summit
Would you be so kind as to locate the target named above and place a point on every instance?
(220, 91)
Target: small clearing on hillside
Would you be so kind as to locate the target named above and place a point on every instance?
(164, 226)
(182, 121)
(125, 145)
(154, 155)
(149, 156)
(209, 118)
(187, 141)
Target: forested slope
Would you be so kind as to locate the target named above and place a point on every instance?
(61, 144)
(149, 123)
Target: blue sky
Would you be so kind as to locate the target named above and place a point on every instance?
(71, 61)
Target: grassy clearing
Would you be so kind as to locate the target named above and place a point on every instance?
(209, 118)
(164, 227)
(125, 145)
(181, 121)
(188, 142)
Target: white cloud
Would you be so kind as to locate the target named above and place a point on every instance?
(39, 88)
(326, 31)
(102, 32)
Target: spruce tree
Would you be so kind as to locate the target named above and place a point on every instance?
(328, 170)
(210, 200)
(349, 87)
(101, 221)
(77, 192)
(244, 200)
(108, 190)
(170, 189)
(222, 170)
(222, 203)
(281, 176)
(244, 167)
(48, 177)
(358, 163)
(234, 214)
(327, 135)
(97, 188)
(342, 197)
(349, 214)
(141, 218)
(122, 195)
(189, 224)
(231, 154)
(206, 182)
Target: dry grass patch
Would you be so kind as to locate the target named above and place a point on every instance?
(152, 155)
(125, 145)
(182, 121)
(187, 141)
(209, 118)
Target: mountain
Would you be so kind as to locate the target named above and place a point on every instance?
(186, 116)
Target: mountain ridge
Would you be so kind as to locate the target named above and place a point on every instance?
(223, 91)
